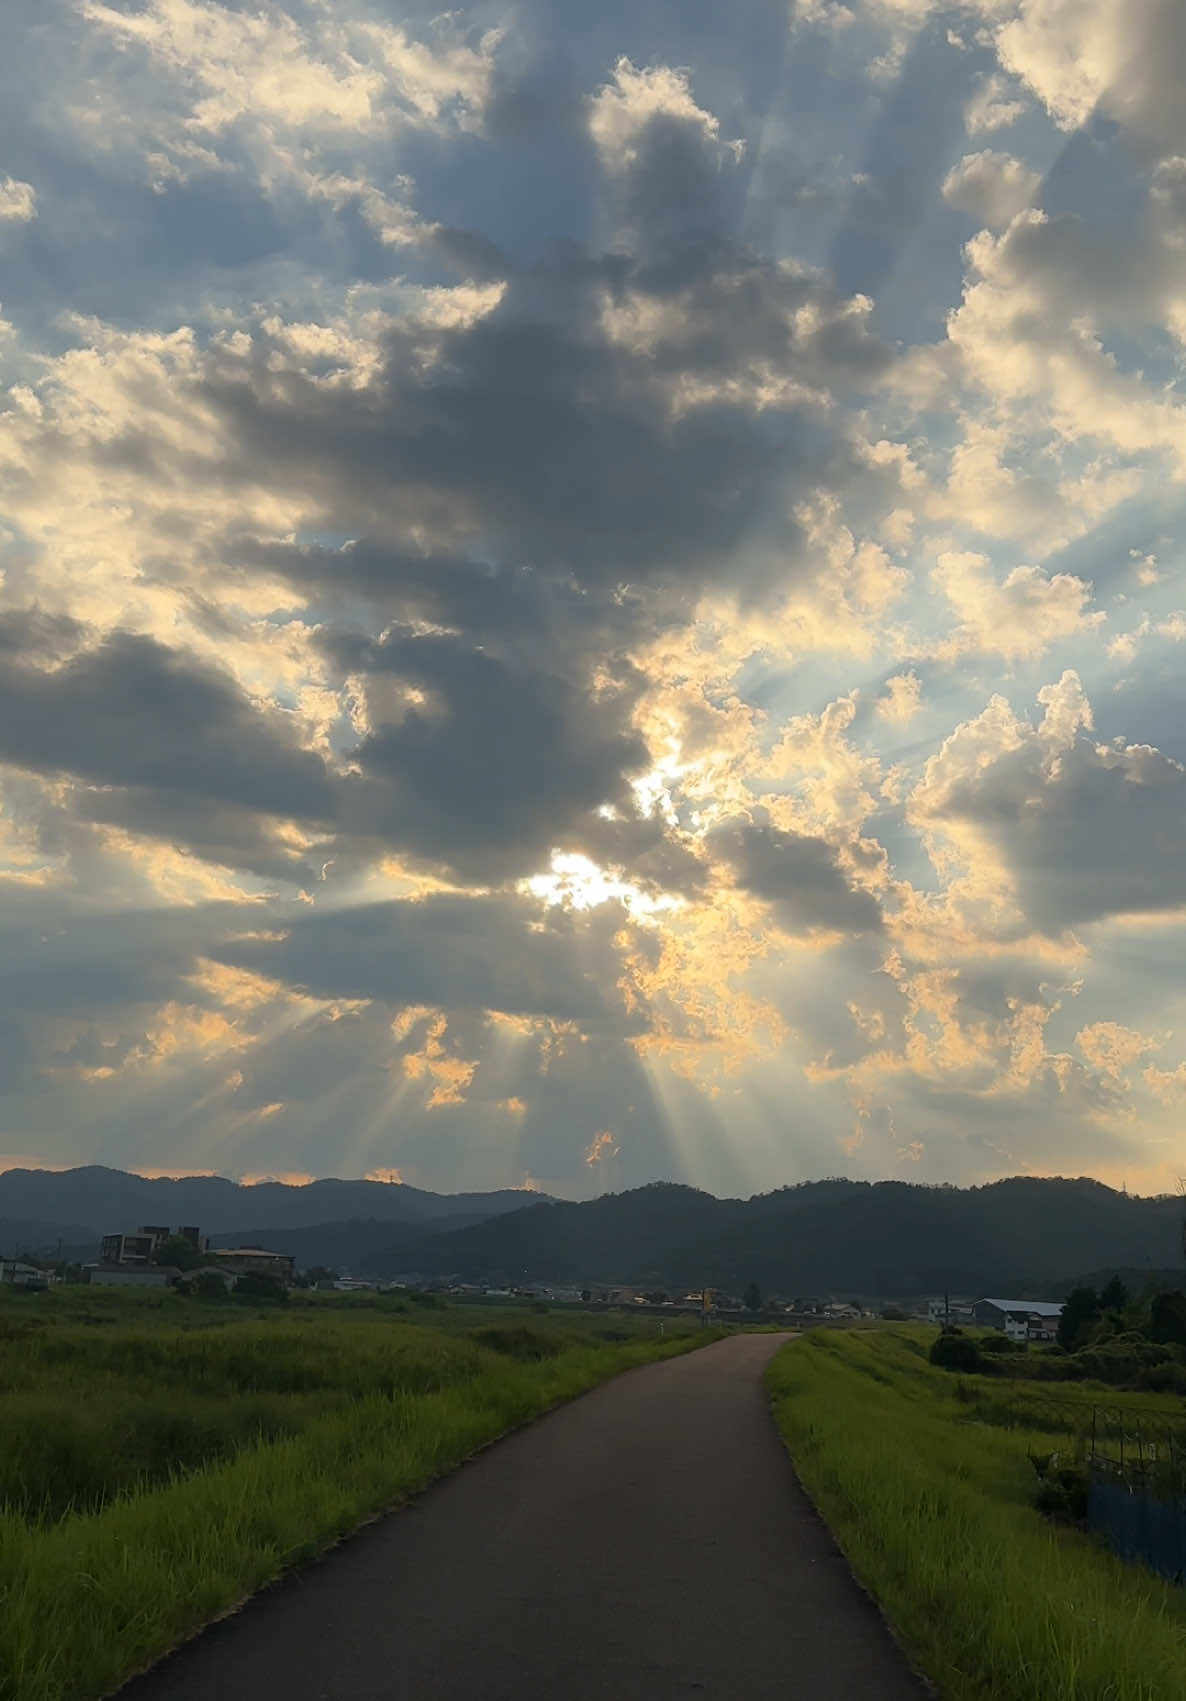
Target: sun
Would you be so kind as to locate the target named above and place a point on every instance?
(577, 882)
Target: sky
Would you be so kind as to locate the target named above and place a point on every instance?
(593, 594)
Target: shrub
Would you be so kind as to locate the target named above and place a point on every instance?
(953, 1350)
(1167, 1378)
(1001, 1344)
(1062, 1492)
(519, 1342)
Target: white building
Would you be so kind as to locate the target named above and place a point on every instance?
(131, 1276)
(1020, 1319)
(18, 1275)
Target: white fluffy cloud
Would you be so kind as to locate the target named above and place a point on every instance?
(990, 187)
(1081, 57)
(18, 201)
(1018, 617)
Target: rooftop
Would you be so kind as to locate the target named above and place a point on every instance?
(1036, 1307)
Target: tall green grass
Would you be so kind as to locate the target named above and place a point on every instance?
(152, 1475)
(933, 1504)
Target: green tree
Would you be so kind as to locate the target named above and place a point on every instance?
(181, 1254)
(1114, 1297)
(1080, 1310)
(752, 1297)
(1167, 1318)
(255, 1285)
(953, 1350)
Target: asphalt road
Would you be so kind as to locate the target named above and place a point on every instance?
(646, 1543)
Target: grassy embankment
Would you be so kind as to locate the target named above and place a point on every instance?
(925, 1481)
(161, 1459)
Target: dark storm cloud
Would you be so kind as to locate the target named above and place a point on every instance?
(56, 960)
(232, 835)
(165, 746)
(535, 436)
(78, 987)
(799, 875)
(132, 712)
(499, 953)
(518, 609)
(496, 763)
(655, 856)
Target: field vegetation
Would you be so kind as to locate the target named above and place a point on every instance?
(1110, 1336)
(163, 1457)
(928, 1481)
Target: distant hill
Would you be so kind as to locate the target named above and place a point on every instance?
(822, 1237)
(40, 1207)
(19, 1235)
(358, 1245)
(1022, 1236)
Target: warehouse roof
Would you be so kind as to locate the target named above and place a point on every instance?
(1035, 1307)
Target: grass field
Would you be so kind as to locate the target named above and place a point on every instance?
(925, 1481)
(162, 1458)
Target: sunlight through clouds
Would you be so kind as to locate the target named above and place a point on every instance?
(580, 605)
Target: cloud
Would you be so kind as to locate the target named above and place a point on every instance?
(1083, 57)
(470, 520)
(991, 188)
(485, 765)
(159, 742)
(903, 697)
(18, 201)
(1113, 1048)
(1082, 831)
(264, 67)
(502, 954)
(992, 106)
(800, 876)
(1018, 618)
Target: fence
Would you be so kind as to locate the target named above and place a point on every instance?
(1135, 1462)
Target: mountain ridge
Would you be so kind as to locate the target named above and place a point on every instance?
(1020, 1233)
(106, 1200)
(818, 1237)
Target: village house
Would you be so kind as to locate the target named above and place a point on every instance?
(19, 1275)
(254, 1260)
(1020, 1319)
(141, 1248)
(131, 1275)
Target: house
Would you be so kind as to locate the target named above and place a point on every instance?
(948, 1310)
(254, 1260)
(141, 1248)
(1020, 1319)
(131, 1275)
(17, 1275)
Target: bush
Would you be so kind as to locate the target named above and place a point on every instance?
(255, 1286)
(1122, 1360)
(1062, 1493)
(1001, 1344)
(1167, 1378)
(519, 1342)
(953, 1350)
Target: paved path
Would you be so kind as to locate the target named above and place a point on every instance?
(646, 1543)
